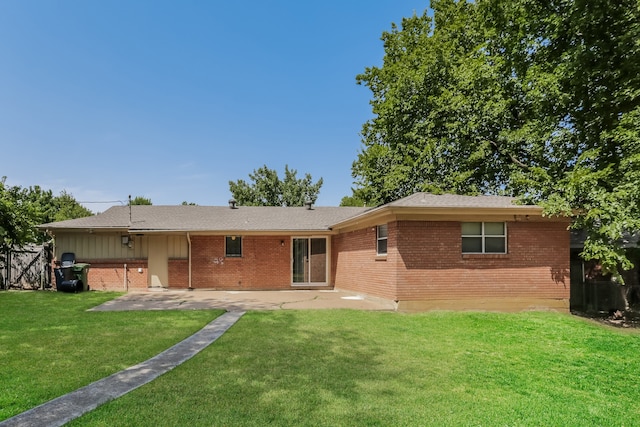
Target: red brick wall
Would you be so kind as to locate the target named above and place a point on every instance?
(265, 263)
(431, 264)
(109, 275)
(356, 266)
(178, 273)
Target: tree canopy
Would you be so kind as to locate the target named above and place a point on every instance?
(66, 207)
(23, 209)
(267, 189)
(538, 100)
(139, 200)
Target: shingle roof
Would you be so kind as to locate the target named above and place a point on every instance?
(266, 218)
(212, 218)
(453, 201)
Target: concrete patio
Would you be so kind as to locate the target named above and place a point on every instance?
(245, 300)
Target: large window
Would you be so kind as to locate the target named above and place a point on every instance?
(484, 238)
(233, 246)
(381, 233)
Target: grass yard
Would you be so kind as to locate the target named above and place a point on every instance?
(50, 345)
(347, 368)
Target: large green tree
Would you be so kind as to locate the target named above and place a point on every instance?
(267, 189)
(17, 218)
(23, 209)
(532, 99)
(67, 207)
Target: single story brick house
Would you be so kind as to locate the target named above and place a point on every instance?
(424, 251)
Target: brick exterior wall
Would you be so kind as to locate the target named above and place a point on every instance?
(425, 263)
(265, 263)
(179, 273)
(108, 275)
(356, 266)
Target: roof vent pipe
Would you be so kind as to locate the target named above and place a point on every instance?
(232, 203)
(307, 204)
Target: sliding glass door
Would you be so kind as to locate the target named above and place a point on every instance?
(310, 261)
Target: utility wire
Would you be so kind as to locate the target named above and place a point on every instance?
(107, 201)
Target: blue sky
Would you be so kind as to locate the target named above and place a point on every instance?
(171, 100)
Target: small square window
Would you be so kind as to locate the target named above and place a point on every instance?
(471, 244)
(494, 228)
(233, 246)
(494, 245)
(471, 228)
(381, 235)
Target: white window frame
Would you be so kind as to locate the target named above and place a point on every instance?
(309, 261)
(483, 236)
(226, 249)
(385, 238)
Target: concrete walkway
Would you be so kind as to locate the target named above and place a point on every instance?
(61, 410)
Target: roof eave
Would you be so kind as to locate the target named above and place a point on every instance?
(85, 228)
(231, 231)
(438, 212)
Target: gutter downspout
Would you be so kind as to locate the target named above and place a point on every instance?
(189, 255)
(126, 279)
(52, 255)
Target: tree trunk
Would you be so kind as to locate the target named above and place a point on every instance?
(631, 288)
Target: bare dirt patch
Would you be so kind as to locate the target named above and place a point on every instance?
(618, 319)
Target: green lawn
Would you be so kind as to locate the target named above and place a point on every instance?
(330, 368)
(345, 368)
(50, 344)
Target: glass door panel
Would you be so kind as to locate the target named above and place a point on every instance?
(318, 267)
(300, 257)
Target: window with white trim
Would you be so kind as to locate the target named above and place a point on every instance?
(233, 246)
(484, 238)
(381, 237)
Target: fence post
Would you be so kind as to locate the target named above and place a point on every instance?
(42, 268)
(3, 276)
(8, 276)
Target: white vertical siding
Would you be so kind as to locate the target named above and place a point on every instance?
(178, 247)
(100, 246)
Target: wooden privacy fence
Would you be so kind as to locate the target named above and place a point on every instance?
(597, 296)
(28, 267)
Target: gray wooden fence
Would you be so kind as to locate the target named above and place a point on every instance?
(27, 267)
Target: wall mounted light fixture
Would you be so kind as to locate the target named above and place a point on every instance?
(125, 240)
